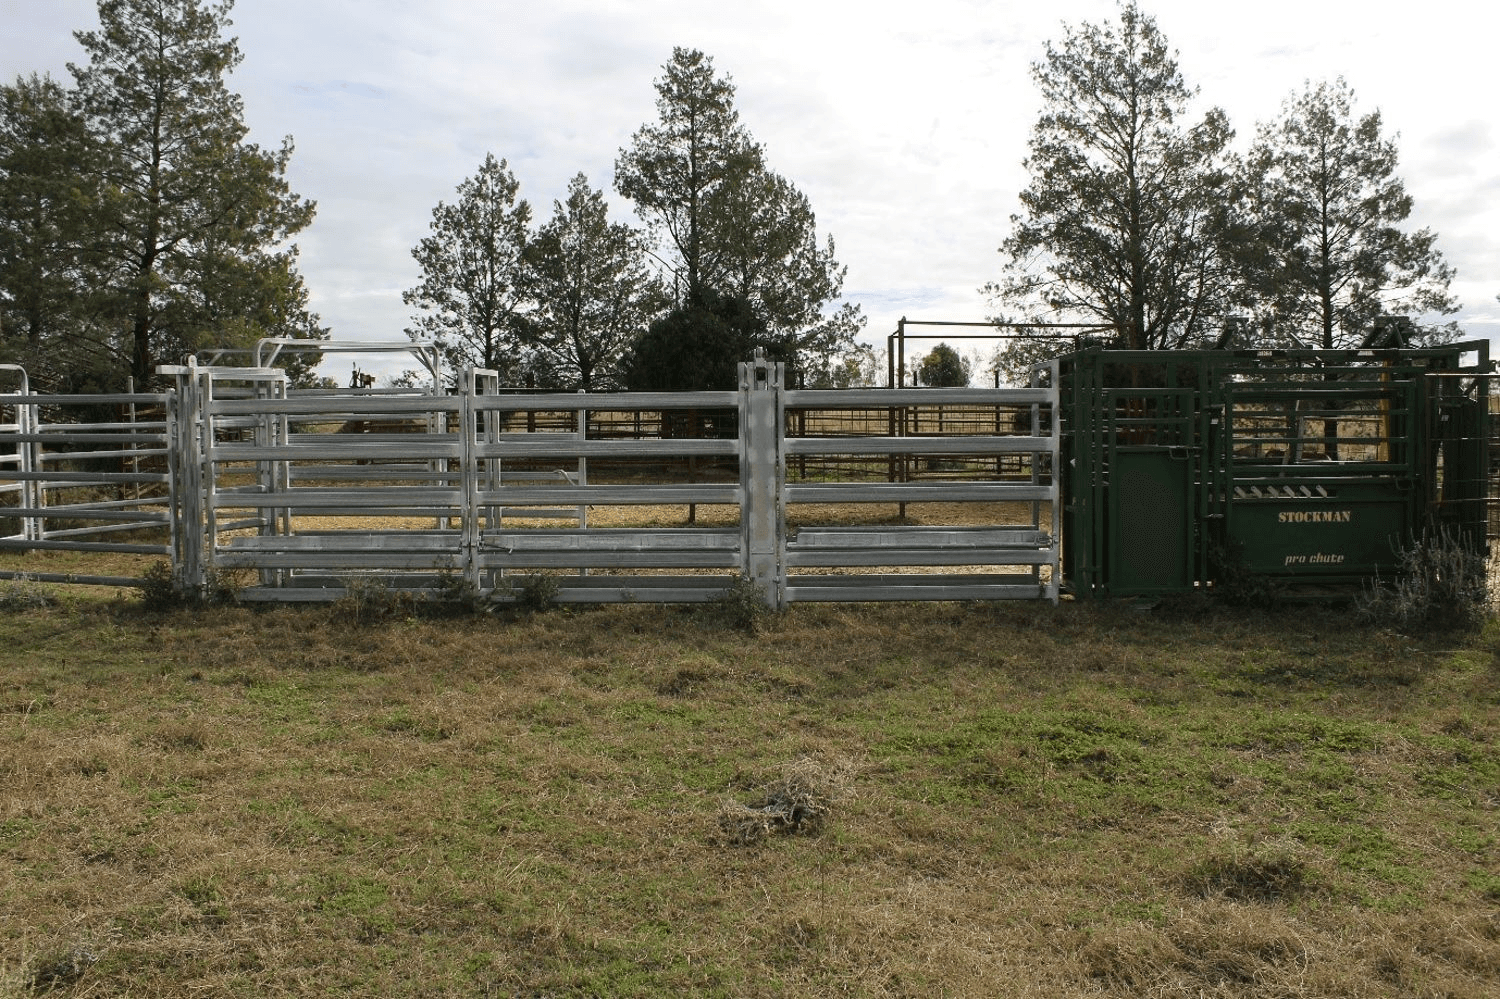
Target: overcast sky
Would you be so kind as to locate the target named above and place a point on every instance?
(905, 124)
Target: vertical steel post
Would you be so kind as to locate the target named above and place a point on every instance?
(583, 466)
(172, 417)
(901, 353)
(268, 472)
(284, 525)
(1035, 461)
(583, 470)
(206, 535)
(485, 382)
(26, 457)
(176, 409)
(763, 478)
(135, 455)
(469, 512)
(186, 472)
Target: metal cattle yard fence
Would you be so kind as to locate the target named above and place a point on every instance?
(803, 495)
(1116, 474)
(85, 474)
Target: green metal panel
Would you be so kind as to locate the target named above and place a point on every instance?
(1461, 442)
(1314, 464)
(1338, 533)
(1151, 527)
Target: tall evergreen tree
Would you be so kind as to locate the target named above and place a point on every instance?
(732, 227)
(680, 172)
(595, 294)
(696, 346)
(1336, 257)
(473, 299)
(1128, 209)
(766, 243)
(189, 200)
(49, 200)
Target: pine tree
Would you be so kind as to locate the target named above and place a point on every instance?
(682, 171)
(190, 201)
(49, 204)
(733, 228)
(1127, 215)
(473, 298)
(697, 346)
(1336, 257)
(595, 295)
(767, 247)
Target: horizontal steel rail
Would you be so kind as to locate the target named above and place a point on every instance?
(921, 492)
(904, 587)
(109, 399)
(40, 544)
(885, 398)
(920, 445)
(77, 511)
(73, 578)
(54, 477)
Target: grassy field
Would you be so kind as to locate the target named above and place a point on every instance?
(991, 801)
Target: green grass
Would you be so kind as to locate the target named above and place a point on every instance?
(1024, 800)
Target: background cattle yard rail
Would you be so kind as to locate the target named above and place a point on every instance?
(85, 473)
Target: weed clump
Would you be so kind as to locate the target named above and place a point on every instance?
(741, 606)
(1271, 874)
(62, 969)
(24, 594)
(163, 589)
(535, 593)
(800, 800)
(453, 595)
(1441, 584)
(369, 600)
(1194, 605)
(190, 735)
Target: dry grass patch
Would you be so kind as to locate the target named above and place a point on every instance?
(1279, 871)
(1063, 802)
(800, 799)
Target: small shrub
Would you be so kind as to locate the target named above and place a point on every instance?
(1233, 582)
(162, 589)
(370, 599)
(1441, 584)
(535, 593)
(741, 606)
(159, 587)
(220, 588)
(454, 595)
(24, 594)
